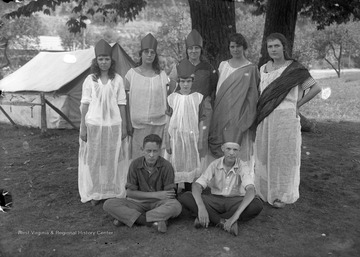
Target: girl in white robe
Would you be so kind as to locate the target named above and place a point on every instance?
(278, 135)
(185, 128)
(146, 86)
(103, 101)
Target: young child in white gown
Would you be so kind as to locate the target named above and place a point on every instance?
(185, 127)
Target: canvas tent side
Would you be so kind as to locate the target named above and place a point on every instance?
(59, 76)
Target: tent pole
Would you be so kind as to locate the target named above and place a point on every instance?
(61, 114)
(43, 114)
(7, 116)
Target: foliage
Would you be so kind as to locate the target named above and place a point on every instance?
(21, 34)
(323, 12)
(83, 10)
(331, 43)
(250, 27)
(70, 41)
(327, 12)
(303, 50)
(176, 24)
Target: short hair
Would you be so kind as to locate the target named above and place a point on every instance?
(153, 138)
(239, 39)
(284, 42)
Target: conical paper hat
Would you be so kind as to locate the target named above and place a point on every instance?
(185, 69)
(149, 42)
(102, 48)
(194, 39)
(231, 135)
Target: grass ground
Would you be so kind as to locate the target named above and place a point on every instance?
(48, 218)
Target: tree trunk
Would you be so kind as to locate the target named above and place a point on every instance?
(215, 21)
(281, 17)
(4, 43)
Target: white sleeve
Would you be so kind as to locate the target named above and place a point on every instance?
(246, 175)
(127, 80)
(207, 176)
(86, 90)
(121, 96)
(170, 99)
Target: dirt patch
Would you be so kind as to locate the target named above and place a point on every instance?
(48, 218)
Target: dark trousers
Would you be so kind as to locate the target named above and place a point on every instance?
(219, 206)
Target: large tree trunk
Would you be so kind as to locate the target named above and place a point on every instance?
(215, 21)
(281, 17)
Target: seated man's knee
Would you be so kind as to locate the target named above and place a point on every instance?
(255, 207)
(178, 207)
(185, 197)
(111, 203)
(106, 205)
(258, 204)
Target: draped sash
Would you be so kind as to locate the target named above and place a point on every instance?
(234, 108)
(295, 74)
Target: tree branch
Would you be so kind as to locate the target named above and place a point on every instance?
(337, 72)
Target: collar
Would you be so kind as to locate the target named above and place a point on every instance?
(141, 164)
(234, 169)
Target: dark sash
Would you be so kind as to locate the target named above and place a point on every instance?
(234, 108)
(295, 74)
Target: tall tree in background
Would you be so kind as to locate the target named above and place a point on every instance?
(215, 21)
(331, 43)
(281, 17)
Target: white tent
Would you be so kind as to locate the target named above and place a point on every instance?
(56, 76)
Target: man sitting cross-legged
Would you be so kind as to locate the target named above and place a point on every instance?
(232, 195)
(150, 190)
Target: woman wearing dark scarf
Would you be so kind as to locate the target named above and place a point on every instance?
(278, 136)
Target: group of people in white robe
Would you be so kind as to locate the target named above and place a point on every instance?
(195, 110)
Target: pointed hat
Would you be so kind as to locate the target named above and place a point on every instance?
(194, 39)
(185, 69)
(231, 135)
(149, 42)
(102, 48)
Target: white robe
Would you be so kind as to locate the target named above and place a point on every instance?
(278, 147)
(184, 136)
(102, 162)
(147, 100)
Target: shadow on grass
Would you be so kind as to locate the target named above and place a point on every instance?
(48, 218)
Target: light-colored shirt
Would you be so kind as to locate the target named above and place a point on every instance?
(147, 98)
(231, 183)
(90, 89)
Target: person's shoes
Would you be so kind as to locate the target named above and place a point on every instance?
(197, 223)
(95, 202)
(234, 230)
(160, 226)
(278, 204)
(117, 223)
